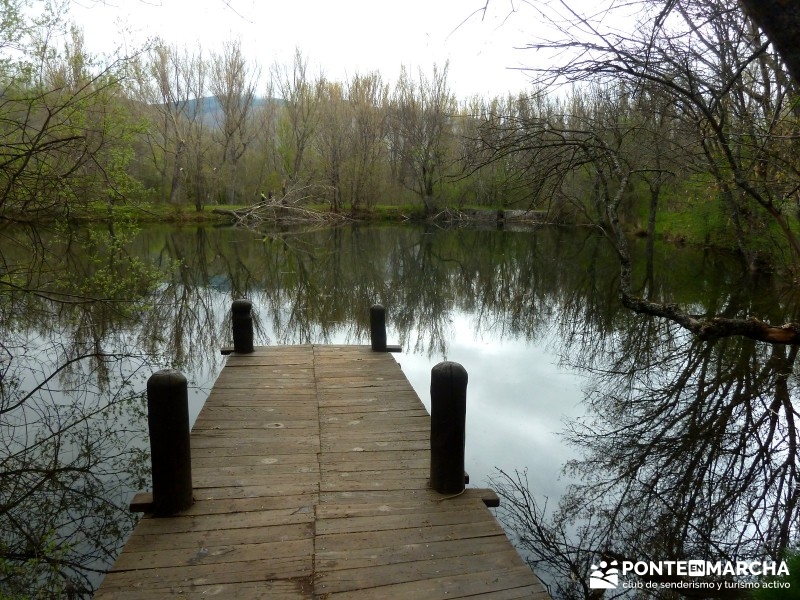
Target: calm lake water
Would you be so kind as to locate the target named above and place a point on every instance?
(533, 316)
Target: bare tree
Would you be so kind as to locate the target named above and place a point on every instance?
(266, 117)
(199, 139)
(420, 126)
(233, 84)
(731, 104)
(780, 20)
(368, 100)
(333, 138)
(170, 86)
(300, 115)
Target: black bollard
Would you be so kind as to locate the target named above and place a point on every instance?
(170, 454)
(377, 327)
(448, 423)
(242, 321)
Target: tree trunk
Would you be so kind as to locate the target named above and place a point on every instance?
(177, 175)
(780, 20)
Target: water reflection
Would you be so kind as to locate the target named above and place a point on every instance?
(533, 316)
(687, 451)
(70, 410)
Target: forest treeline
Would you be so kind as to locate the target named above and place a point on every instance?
(688, 126)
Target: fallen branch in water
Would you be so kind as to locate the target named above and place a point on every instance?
(704, 327)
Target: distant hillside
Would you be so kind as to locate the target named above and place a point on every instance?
(210, 107)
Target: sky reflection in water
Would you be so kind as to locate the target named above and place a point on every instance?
(524, 312)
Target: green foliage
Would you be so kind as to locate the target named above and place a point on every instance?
(70, 402)
(37, 575)
(692, 213)
(791, 591)
(397, 212)
(11, 34)
(116, 280)
(64, 126)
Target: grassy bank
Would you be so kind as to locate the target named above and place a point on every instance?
(683, 218)
(177, 214)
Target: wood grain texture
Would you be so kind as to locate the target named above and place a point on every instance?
(310, 477)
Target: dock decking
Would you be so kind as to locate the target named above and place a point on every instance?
(310, 468)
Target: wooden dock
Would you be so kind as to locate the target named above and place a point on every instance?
(310, 468)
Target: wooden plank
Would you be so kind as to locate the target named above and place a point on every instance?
(422, 535)
(360, 506)
(393, 522)
(222, 521)
(410, 459)
(378, 421)
(231, 396)
(328, 560)
(140, 542)
(381, 445)
(295, 503)
(277, 480)
(233, 447)
(492, 584)
(233, 439)
(240, 412)
(254, 491)
(278, 463)
(425, 568)
(377, 485)
(276, 589)
(256, 421)
(353, 496)
(336, 411)
(367, 475)
(272, 567)
(290, 375)
(212, 554)
(257, 383)
(374, 433)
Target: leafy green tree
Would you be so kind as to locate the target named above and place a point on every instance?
(67, 138)
(790, 590)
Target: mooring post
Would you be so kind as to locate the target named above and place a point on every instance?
(448, 423)
(170, 454)
(242, 321)
(377, 327)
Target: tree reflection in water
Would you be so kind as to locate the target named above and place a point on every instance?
(688, 447)
(688, 451)
(70, 409)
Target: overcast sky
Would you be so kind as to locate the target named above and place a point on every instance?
(341, 37)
